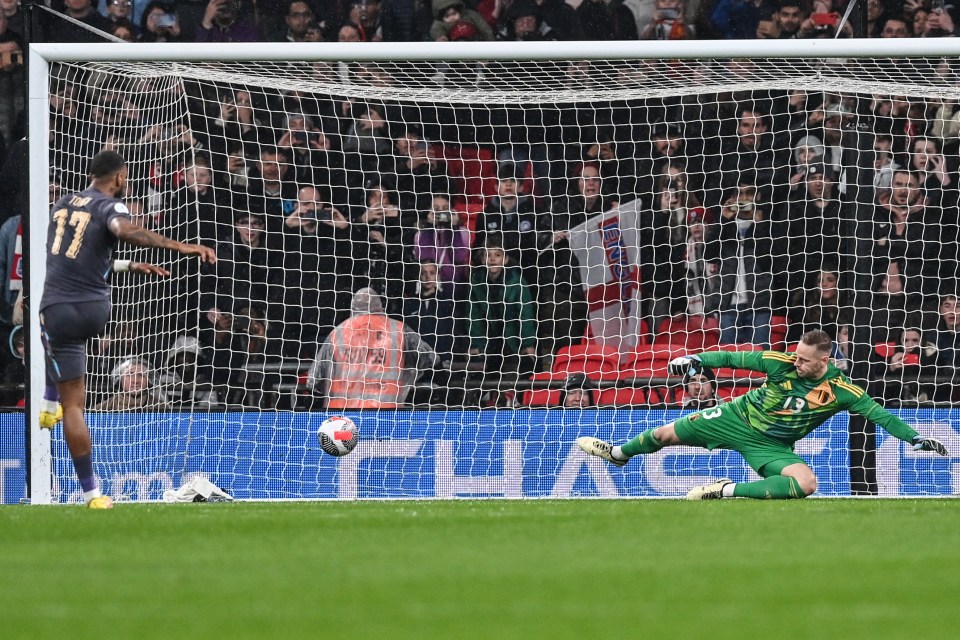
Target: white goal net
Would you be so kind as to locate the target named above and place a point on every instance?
(451, 251)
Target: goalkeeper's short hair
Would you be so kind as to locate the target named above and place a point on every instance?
(819, 339)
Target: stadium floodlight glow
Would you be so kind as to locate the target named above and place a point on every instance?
(541, 110)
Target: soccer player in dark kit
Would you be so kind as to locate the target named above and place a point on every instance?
(85, 227)
(803, 390)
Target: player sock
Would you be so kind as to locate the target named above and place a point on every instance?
(646, 442)
(774, 487)
(50, 398)
(84, 467)
(50, 392)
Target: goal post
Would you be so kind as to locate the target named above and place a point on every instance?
(548, 113)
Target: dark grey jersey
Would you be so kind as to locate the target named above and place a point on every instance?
(79, 247)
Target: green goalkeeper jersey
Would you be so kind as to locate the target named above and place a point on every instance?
(787, 407)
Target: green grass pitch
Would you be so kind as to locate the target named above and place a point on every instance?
(825, 569)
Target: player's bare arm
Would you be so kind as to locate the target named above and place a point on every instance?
(136, 235)
(139, 267)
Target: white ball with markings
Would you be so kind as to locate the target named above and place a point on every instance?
(338, 435)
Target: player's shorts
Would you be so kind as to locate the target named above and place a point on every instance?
(721, 427)
(65, 329)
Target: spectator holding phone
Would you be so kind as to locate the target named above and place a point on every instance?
(223, 22)
(669, 22)
(931, 168)
(940, 22)
(308, 146)
(824, 23)
(159, 23)
(444, 242)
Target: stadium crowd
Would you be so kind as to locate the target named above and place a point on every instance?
(761, 214)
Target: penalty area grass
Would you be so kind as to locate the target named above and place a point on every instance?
(484, 569)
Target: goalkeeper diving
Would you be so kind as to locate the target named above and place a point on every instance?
(802, 391)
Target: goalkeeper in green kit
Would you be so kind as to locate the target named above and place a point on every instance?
(802, 391)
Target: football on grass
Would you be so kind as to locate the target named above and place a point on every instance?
(338, 435)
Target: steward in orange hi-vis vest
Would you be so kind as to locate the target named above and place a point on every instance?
(369, 361)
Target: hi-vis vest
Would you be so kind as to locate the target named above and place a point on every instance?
(367, 363)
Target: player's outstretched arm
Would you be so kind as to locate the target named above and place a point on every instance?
(861, 404)
(929, 444)
(130, 233)
(763, 361)
(120, 266)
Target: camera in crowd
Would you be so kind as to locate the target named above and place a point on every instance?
(442, 219)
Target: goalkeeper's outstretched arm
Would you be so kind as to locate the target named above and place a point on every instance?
(762, 361)
(867, 407)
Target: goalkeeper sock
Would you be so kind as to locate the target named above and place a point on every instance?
(646, 442)
(774, 487)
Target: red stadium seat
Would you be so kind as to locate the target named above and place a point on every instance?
(649, 361)
(643, 337)
(542, 397)
(778, 332)
(729, 393)
(587, 357)
(693, 332)
(622, 397)
(473, 171)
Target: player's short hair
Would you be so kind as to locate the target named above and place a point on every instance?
(106, 163)
(819, 339)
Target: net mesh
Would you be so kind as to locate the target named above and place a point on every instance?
(643, 209)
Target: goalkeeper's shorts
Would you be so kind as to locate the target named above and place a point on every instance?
(721, 427)
(65, 328)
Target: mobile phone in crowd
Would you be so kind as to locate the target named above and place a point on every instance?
(825, 20)
(167, 20)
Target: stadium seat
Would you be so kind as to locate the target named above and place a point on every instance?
(642, 339)
(622, 397)
(649, 361)
(472, 169)
(542, 397)
(729, 393)
(587, 357)
(693, 332)
(778, 332)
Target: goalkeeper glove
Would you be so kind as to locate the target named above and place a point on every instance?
(684, 365)
(929, 444)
